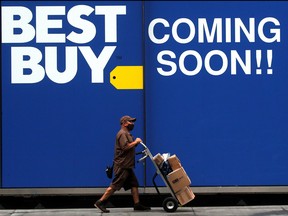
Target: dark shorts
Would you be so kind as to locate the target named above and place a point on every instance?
(124, 178)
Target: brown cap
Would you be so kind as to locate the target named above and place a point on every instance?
(127, 118)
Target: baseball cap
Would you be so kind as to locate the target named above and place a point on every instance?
(127, 118)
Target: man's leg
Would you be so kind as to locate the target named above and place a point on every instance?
(137, 205)
(135, 194)
(109, 191)
(99, 203)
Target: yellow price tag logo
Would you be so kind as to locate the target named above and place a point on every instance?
(127, 77)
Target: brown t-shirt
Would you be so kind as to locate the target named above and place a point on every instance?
(123, 157)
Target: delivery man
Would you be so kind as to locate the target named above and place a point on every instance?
(124, 164)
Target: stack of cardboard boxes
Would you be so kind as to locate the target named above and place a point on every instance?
(177, 179)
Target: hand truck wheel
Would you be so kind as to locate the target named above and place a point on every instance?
(170, 204)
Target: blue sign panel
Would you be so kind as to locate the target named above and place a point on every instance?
(206, 81)
(63, 92)
(216, 90)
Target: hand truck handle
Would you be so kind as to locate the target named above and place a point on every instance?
(143, 145)
(141, 159)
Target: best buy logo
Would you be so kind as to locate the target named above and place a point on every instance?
(30, 64)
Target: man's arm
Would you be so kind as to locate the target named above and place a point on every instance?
(128, 145)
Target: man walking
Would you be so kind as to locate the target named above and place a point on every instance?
(124, 163)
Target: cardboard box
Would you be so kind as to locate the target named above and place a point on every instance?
(178, 179)
(158, 158)
(174, 162)
(186, 195)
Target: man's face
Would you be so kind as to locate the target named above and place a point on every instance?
(129, 125)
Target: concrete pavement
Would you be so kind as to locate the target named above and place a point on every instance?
(193, 211)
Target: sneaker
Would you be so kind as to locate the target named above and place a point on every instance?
(100, 206)
(140, 207)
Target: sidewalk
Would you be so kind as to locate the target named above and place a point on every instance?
(193, 211)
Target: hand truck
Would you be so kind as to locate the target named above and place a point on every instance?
(170, 204)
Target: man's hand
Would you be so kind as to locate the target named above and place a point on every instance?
(138, 140)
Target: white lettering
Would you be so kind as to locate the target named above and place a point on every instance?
(276, 32)
(216, 28)
(221, 30)
(209, 65)
(166, 63)
(151, 31)
(235, 57)
(16, 27)
(70, 62)
(198, 62)
(26, 32)
(191, 30)
(239, 25)
(224, 62)
(88, 28)
(110, 13)
(28, 59)
(19, 65)
(97, 65)
(43, 24)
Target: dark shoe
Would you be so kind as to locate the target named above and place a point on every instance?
(139, 207)
(101, 206)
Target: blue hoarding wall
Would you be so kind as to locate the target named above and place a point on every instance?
(207, 81)
(60, 107)
(216, 92)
